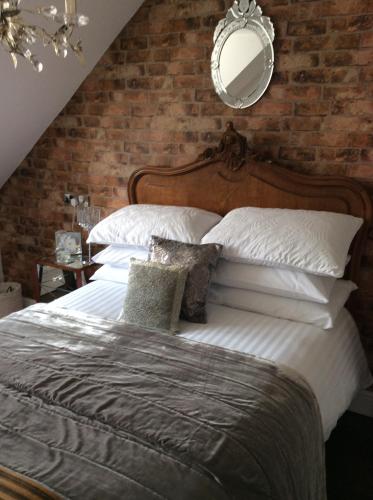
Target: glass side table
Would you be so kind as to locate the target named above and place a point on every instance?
(81, 270)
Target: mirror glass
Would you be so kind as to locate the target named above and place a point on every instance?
(241, 70)
(242, 60)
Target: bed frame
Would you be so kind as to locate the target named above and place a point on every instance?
(231, 176)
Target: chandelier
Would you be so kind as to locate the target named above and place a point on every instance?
(17, 36)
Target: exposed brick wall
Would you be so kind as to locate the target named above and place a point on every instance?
(150, 101)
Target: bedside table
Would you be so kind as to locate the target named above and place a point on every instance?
(81, 271)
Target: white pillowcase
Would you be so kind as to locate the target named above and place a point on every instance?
(282, 282)
(321, 315)
(134, 224)
(120, 255)
(310, 241)
(269, 280)
(108, 272)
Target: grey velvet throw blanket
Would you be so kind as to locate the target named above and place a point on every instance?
(92, 409)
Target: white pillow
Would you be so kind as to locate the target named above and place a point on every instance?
(282, 282)
(134, 224)
(108, 272)
(321, 315)
(120, 255)
(310, 241)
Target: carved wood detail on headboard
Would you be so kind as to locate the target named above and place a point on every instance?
(232, 149)
(230, 176)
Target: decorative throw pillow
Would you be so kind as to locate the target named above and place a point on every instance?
(200, 260)
(154, 295)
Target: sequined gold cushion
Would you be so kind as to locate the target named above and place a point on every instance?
(154, 295)
(200, 260)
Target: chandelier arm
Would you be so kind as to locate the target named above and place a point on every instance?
(33, 12)
(43, 33)
(16, 35)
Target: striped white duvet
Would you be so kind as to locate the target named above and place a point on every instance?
(332, 361)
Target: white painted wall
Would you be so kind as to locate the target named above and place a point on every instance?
(29, 101)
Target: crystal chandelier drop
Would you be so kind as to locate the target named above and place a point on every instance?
(17, 35)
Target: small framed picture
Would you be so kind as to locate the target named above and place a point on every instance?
(68, 246)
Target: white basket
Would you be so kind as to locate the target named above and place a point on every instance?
(10, 298)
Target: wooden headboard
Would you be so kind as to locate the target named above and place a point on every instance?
(230, 176)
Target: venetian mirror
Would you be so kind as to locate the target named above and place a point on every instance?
(242, 59)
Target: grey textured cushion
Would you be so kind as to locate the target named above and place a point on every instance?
(200, 260)
(154, 295)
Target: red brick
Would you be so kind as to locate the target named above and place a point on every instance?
(199, 38)
(180, 95)
(297, 92)
(165, 40)
(366, 74)
(361, 140)
(352, 107)
(348, 123)
(349, 41)
(344, 75)
(181, 68)
(320, 108)
(313, 27)
(188, 53)
(302, 123)
(311, 76)
(367, 39)
(351, 24)
(339, 7)
(326, 138)
(298, 61)
(187, 82)
(296, 154)
(362, 172)
(339, 59)
(134, 43)
(339, 155)
(367, 155)
(345, 92)
(139, 56)
(271, 108)
(364, 57)
(312, 43)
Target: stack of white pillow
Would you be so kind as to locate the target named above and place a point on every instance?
(128, 232)
(282, 263)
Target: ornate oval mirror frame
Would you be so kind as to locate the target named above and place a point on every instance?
(252, 74)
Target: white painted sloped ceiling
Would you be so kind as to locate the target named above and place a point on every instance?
(29, 101)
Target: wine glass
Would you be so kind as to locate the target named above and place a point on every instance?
(87, 218)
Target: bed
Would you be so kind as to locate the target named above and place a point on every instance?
(333, 363)
(62, 369)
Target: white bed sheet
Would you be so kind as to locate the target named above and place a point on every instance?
(332, 361)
